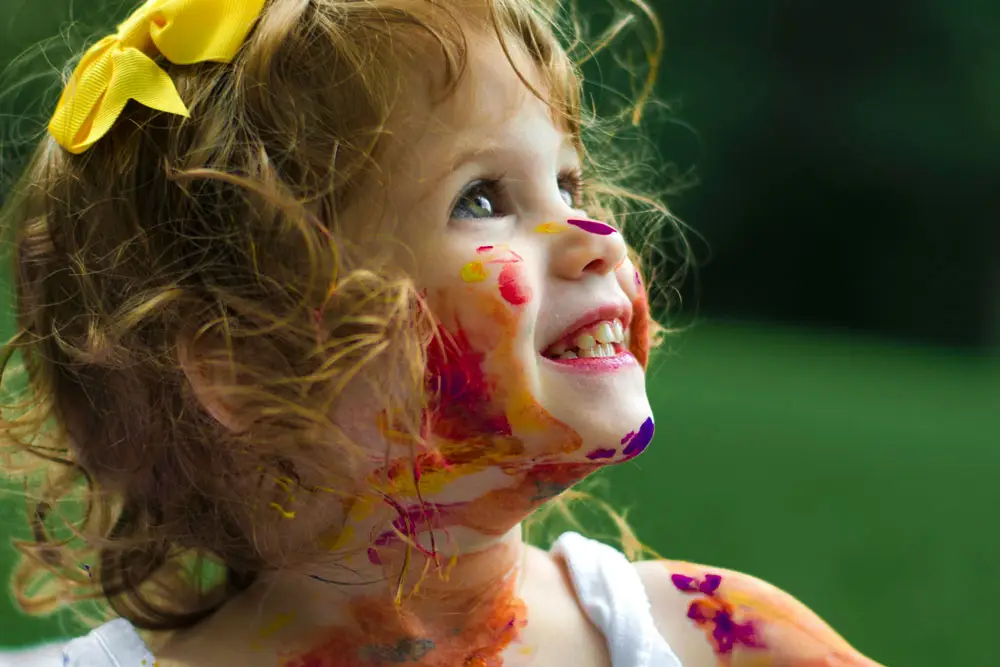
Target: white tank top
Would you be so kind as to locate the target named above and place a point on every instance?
(606, 583)
(613, 597)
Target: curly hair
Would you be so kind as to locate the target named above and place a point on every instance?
(224, 229)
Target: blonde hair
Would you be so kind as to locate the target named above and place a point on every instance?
(173, 230)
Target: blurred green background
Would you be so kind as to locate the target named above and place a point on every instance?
(831, 421)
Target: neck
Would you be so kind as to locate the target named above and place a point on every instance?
(459, 609)
(431, 583)
(427, 571)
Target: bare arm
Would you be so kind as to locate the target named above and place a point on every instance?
(718, 618)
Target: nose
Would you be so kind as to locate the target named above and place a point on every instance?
(583, 246)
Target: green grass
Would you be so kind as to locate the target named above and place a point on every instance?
(853, 474)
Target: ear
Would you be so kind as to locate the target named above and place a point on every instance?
(209, 379)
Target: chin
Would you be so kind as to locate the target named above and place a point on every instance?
(608, 412)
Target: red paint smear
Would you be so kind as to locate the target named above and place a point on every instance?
(484, 249)
(493, 513)
(387, 634)
(416, 519)
(405, 468)
(511, 288)
(464, 407)
(513, 259)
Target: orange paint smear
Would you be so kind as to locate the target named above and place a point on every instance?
(640, 344)
(385, 634)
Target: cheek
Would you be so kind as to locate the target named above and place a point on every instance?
(487, 296)
(465, 396)
(514, 289)
(630, 278)
(470, 362)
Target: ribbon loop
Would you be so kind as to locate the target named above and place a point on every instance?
(121, 67)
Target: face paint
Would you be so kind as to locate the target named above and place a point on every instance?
(280, 622)
(514, 291)
(385, 635)
(503, 255)
(639, 328)
(716, 616)
(592, 226)
(463, 407)
(287, 514)
(550, 228)
(636, 441)
(285, 484)
(749, 622)
(474, 272)
(483, 417)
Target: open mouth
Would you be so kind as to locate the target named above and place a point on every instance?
(604, 338)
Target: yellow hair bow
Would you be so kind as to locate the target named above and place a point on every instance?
(120, 67)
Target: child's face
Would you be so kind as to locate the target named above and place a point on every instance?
(508, 276)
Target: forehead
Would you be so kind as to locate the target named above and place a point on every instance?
(490, 105)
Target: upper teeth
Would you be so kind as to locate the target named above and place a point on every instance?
(594, 341)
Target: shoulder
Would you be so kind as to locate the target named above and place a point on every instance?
(707, 613)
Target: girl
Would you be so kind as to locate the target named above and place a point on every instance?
(316, 291)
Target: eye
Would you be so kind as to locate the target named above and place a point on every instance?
(482, 199)
(571, 182)
(487, 198)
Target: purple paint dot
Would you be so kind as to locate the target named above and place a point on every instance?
(696, 613)
(600, 454)
(373, 557)
(746, 634)
(638, 441)
(593, 226)
(723, 632)
(684, 583)
(711, 584)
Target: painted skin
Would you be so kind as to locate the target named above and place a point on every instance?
(747, 622)
(485, 420)
(428, 567)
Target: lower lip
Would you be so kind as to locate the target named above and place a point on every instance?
(594, 365)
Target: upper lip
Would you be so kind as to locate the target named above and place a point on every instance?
(621, 312)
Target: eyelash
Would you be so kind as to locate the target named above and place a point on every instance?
(570, 180)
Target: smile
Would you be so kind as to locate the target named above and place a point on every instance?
(603, 339)
(598, 348)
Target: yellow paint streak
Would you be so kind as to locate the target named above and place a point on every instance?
(285, 513)
(337, 538)
(280, 621)
(551, 228)
(474, 272)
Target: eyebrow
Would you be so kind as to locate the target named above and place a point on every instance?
(472, 151)
(487, 147)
